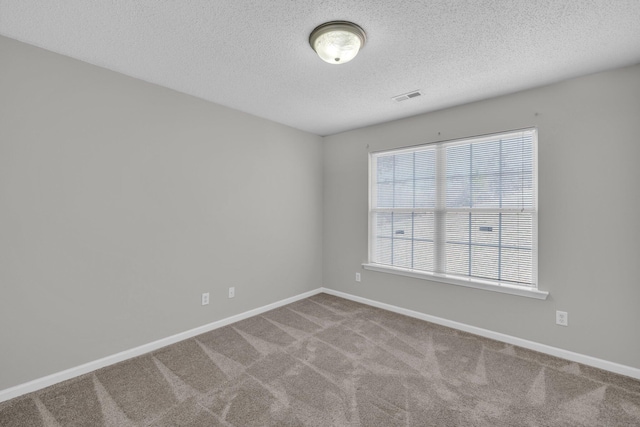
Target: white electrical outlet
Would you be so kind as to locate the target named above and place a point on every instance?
(358, 277)
(562, 318)
(205, 298)
(232, 292)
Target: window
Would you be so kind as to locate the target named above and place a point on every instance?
(462, 212)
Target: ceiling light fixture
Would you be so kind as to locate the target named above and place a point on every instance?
(337, 42)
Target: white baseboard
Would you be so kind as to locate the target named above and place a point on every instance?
(68, 374)
(52, 379)
(531, 345)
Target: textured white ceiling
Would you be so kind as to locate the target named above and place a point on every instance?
(254, 56)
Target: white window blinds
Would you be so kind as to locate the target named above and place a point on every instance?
(464, 208)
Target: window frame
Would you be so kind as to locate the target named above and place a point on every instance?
(467, 281)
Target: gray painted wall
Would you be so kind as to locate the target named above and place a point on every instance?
(121, 202)
(589, 211)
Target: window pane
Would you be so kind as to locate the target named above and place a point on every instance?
(384, 168)
(383, 227)
(423, 255)
(425, 193)
(384, 223)
(457, 226)
(457, 243)
(485, 170)
(517, 172)
(402, 226)
(484, 262)
(402, 253)
(517, 191)
(485, 229)
(423, 226)
(425, 164)
(423, 245)
(457, 259)
(458, 176)
(384, 195)
(517, 230)
(403, 194)
(517, 244)
(402, 232)
(403, 167)
(517, 266)
(382, 250)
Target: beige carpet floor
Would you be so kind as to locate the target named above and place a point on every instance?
(326, 361)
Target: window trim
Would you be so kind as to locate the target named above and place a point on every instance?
(471, 282)
(502, 287)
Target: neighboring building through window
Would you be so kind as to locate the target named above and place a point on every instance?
(462, 210)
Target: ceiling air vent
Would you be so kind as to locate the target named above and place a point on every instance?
(406, 96)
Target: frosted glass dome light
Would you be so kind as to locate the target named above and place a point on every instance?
(337, 42)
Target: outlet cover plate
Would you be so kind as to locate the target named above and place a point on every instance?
(562, 318)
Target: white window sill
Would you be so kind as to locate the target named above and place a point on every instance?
(522, 291)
